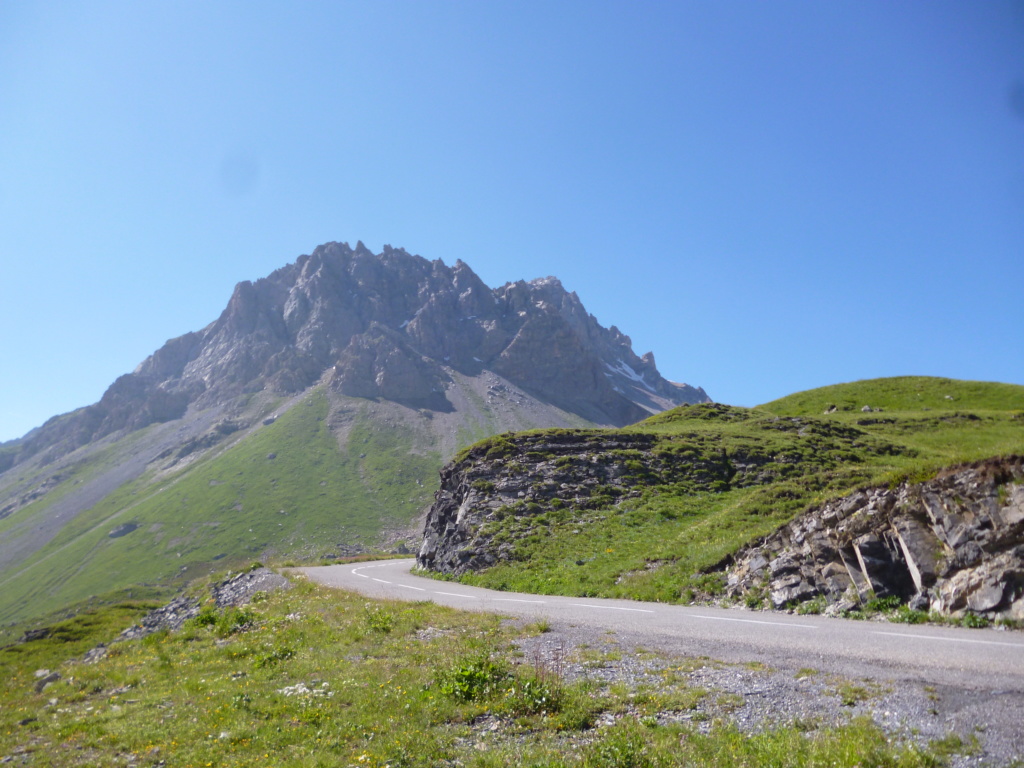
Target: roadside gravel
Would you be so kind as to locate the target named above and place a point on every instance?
(755, 697)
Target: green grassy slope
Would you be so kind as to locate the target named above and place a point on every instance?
(665, 545)
(317, 677)
(233, 507)
(201, 494)
(903, 393)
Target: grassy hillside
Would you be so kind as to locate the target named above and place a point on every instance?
(903, 393)
(316, 677)
(166, 503)
(288, 489)
(665, 544)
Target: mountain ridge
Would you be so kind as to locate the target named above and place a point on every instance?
(391, 324)
(309, 419)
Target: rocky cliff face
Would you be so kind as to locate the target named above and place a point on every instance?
(390, 325)
(951, 544)
(524, 475)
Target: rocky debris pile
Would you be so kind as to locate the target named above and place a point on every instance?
(239, 589)
(234, 591)
(951, 544)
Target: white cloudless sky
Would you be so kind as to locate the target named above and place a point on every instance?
(770, 196)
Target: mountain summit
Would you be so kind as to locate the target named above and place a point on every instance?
(390, 325)
(309, 420)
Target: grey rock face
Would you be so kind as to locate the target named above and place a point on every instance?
(581, 468)
(583, 472)
(384, 326)
(951, 544)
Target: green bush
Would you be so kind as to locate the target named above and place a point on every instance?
(377, 619)
(478, 677)
(621, 746)
(275, 655)
(813, 606)
(532, 695)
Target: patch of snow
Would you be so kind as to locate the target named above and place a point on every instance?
(405, 323)
(624, 369)
(478, 359)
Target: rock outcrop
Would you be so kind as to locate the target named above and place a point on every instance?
(952, 544)
(389, 325)
(527, 474)
(234, 591)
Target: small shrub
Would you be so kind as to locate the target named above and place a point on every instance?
(812, 607)
(882, 604)
(498, 447)
(907, 615)
(532, 695)
(754, 599)
(973, 621)
(850, 694)
(207, 617)
(622, 746)
(275, 655)
(478, 677)
(234, 620)
(377, 619)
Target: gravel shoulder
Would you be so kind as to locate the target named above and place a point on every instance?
(754, 696)
(922, 702)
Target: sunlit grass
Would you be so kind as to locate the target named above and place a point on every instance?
(666, 545)
(315, 677)
(288, 488)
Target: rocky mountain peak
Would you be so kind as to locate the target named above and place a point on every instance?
(391, 325)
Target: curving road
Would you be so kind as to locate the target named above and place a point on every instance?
(980, 660)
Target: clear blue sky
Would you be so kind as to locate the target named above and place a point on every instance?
(770, 196)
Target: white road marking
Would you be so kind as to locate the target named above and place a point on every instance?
(453, 594)
(610, 607)
(382, 581)
(514, 600)
(418, 589)
(754, 621)
(949, 639)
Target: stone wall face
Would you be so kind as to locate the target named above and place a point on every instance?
(523, 475)
(585, 471)
(952, 544)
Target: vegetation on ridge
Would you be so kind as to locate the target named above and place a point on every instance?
(665, 542)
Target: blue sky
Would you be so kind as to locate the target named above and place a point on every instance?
(770, 196)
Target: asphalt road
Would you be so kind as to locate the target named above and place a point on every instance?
(982, 660)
